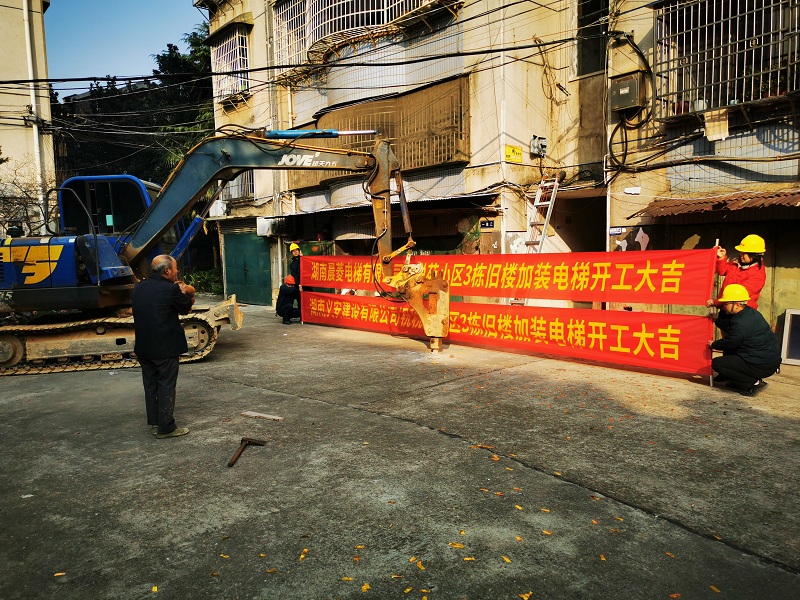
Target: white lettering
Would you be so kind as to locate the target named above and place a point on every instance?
(302, 160)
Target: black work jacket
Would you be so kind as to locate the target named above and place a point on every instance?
(157, 302)
(287, 294)
(294, 269)
(750, 337)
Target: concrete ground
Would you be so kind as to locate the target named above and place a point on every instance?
(397, 473)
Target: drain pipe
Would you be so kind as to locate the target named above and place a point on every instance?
(37, 150)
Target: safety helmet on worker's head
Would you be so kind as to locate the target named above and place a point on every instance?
(290, 280)
(734, 293)
(293, 247)
(752, 244)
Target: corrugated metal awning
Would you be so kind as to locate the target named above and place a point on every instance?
(664, 207)
(237, 225)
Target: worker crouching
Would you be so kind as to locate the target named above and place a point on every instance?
(749, 348)
(287, 295)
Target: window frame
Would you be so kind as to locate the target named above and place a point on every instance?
(240, 188)
(230, 62)
(713, 54)
(592, 21)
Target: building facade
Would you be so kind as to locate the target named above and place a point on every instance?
(480, 101)
(27, 147)
(673, 124)
(703, 132)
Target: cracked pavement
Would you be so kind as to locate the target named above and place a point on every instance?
(397, 473)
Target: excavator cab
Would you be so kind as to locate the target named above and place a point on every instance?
(115, 204)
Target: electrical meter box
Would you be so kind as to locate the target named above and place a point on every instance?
(627, 91)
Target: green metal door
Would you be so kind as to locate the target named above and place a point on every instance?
(247, 268)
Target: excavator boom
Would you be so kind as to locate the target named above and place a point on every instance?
(224, 158)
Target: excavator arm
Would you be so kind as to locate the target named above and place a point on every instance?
(428, 295)
(225, 157)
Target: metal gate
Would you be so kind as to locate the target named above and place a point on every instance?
(247, 268)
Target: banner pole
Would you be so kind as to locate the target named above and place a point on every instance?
(713, 278)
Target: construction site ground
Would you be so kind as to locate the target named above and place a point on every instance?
(398, 473)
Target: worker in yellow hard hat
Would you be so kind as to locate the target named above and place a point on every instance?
(750, 351)
(746, 270)
(294, 264)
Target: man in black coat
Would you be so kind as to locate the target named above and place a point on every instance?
(160, 340)
(750, 350)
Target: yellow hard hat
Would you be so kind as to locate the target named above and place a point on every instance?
(734, 293)
(752, 244)
(294, 247)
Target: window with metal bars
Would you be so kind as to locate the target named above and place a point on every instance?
(301, 23)
(290, 32)
(240, 188)
(715, 53)
(229, 53)
(428, 128)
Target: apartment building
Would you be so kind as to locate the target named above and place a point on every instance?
(674, 124)
(704, 131)
(28, 169)
(481, 101)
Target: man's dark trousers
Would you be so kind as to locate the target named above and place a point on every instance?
(741, 374)
(160, 376)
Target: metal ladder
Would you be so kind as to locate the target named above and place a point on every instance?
(538, 224)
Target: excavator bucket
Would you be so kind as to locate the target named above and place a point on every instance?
(430, 299)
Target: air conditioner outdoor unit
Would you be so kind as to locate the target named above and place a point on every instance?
(270, 226)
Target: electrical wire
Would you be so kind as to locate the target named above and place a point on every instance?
(484, 51)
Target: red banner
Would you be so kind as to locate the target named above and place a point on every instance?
(680, 277)
(669, 342)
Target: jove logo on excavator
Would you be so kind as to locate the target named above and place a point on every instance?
(304, 160)
(37, 262)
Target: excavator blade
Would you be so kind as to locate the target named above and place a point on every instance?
(224, 313)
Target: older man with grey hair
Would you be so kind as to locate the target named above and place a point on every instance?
(157, 303)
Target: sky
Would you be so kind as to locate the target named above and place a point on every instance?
(95, 38)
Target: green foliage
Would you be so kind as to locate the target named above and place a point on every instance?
(207, 282)
(141, 128)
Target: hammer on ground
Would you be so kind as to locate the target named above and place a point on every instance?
(246, 441)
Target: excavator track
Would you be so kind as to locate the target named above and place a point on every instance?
(14, 339)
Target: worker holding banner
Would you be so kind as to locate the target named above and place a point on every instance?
(294, 265)
(746, 270)
(750, 349)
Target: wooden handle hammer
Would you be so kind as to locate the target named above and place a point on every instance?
(246, 441)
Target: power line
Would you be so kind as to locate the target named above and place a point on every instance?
(331, 65)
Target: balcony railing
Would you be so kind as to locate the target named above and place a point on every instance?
(302, 24)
